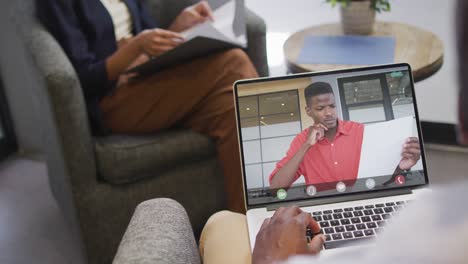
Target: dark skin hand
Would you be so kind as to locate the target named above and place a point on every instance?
(283, 235)
(154, 42)
(285, 177)
(410, 155)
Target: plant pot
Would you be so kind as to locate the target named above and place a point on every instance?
(357, 18)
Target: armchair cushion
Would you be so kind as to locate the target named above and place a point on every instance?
(159, 232)
(125, 159)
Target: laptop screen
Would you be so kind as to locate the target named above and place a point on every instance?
(331, 133)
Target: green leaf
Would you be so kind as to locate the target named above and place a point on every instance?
(380, 5)
(387, 7)
(343, 3)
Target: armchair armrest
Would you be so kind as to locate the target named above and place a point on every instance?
(159, 232)
(256, 38)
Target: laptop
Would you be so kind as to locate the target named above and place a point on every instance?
(353, 180)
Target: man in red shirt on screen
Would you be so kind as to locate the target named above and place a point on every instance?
(329, 151)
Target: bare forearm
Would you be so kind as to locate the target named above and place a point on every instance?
(285, 176)
(122, 58)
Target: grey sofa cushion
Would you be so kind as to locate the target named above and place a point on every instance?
(159, 232)
(125, 159)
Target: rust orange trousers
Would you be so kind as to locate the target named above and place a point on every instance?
(196, 95)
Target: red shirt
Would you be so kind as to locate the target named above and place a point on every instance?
(328, 161)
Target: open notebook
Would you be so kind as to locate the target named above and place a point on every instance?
(227, 30)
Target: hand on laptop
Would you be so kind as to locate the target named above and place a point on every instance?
(283, 235)
(410, 153)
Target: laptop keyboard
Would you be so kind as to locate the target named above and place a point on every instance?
(344, 226)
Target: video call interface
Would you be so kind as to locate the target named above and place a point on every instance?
(311, 136)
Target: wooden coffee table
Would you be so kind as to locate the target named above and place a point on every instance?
(421, 49)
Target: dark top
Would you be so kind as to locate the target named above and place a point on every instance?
(85, 30)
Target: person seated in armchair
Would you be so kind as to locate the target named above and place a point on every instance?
(330, 137)
(104, 38)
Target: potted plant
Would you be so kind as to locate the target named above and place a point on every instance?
(358, 16)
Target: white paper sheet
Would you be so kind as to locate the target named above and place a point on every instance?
(221, 28)
(382, 145)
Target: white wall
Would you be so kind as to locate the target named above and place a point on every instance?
(437, 95)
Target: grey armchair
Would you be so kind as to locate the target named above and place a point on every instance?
(159, 232)
(98, 182)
